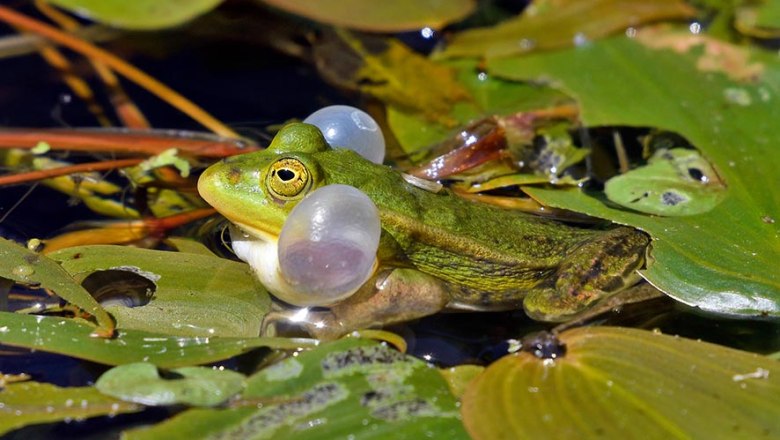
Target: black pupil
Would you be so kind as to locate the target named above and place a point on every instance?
(695, 173)
(285, 174)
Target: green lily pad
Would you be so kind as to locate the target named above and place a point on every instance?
(183, 244)
(73, 338)
(27, 267)
(674, 182)
(351, 387)
(626, 383)
(723, 260)
(30, 403)
(552, 24)
(193, 295)
(139, 14)
(395, 16)
(198, 386)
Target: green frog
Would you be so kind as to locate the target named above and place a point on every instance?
(436, 251)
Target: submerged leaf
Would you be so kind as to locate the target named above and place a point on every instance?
(349, 387)
(186, 300)
(390, 71)
(491, 96)
(395, 16)
(73, 338)
(553, 24)
(30, 403)
(199, 386)
(723, 260)
(139, 14)
(626, 383)
(674, 182)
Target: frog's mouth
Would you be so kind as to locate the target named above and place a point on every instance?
(265, 234)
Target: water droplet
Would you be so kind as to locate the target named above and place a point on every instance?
(23, 271)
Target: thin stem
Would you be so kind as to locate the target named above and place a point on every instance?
(118, 65)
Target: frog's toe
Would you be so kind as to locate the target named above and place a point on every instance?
(555, 306)
(320, 324)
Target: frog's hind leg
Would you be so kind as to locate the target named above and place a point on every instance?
(398, 296)
(595, 270)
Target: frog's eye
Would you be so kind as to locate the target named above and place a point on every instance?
(288, 178)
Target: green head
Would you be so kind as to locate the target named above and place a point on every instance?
(257, 191)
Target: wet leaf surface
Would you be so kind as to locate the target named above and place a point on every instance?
(626, 383)
(723, 260)
(139, 14)
(29, 403)
(72, 338)
(196, 386)
(396, 16)
(226, 299)
(554, 24)
(27, 267)
(349, 387)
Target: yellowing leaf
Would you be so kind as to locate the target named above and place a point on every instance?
(626, 383)
(390, 71)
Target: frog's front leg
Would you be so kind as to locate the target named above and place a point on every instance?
(593, 271)
(391, 297)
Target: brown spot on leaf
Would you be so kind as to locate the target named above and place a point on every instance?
(718, 56)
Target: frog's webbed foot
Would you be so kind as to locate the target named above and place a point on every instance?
(594, 271)
(398, 296)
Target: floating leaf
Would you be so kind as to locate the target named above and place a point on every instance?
(395, 16)
(674, 182)
(30, 403)
(626, 383)
(27, 267)
(199, 386)
(724, 260)
(73, 338)
(139, 14)
(224, 300)
(349, 387)
(553, 24)
(458, 378)
(183, 244)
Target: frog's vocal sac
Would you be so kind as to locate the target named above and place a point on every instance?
(435, 251)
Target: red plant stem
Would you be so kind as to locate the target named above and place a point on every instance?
(31, 176)
(129, 143)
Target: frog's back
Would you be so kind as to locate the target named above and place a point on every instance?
(477, 246)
